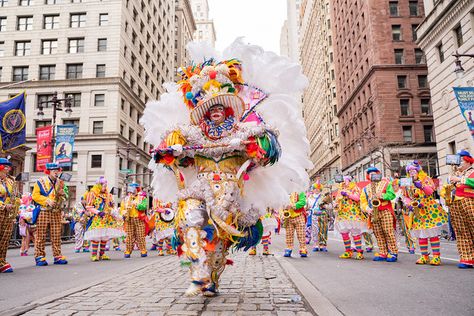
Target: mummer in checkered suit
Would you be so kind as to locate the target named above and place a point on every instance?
(462, 209)
(50, 193)
(295, 220)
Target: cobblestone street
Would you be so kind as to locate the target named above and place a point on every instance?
(252, 286)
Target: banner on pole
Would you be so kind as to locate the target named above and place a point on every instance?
(465, 97)
(64, 144)
(12, 123)
(44, 148)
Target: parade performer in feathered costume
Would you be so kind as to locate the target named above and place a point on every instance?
(318, 205)
(133, 209)
(459, 196)
(50, 193)
(164, 227)
(295, 221)
(350, 220)
(102, 224)
(7, 212)
(269, 224)
(429, 217)
(213, 159)
(375, 199)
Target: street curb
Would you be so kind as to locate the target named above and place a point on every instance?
(54, 297)
(317, 301)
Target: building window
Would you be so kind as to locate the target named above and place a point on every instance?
(399, 58)
(422, 81)
(458, 34)
(24, 23)
(419, 56)
(43, 123)
(51, 22)
(22, 48)
(425, 107)
(103, 19)
(407, 134)
(3, 3)
(73, 167)
(2, 49)
(3, 24)
(20, 73)
(99, 100)
(49, 47)
(402, 82)
(76, 1)
(393, 5)
(413, 31)
(76, 99)
(413, 5)
(100, 71)
(73, 71)
(98, 127)
(102, 45)
(50, 2)
(25, 3)
(76, 45)
(428, 133)
(440, 49)
(1, 70)
(71, 122)
(47, 72)
(405, 107)
(96, 161)
(44, 100)
(396, 32)
(77, 20)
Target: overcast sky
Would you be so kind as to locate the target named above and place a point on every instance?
(259, 21)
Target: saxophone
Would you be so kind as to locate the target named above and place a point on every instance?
(449, 189)
(375, 203)
(59, 196)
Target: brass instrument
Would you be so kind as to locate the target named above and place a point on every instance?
(286, 214)
(450, 188)
(59, 196)
(375, 203)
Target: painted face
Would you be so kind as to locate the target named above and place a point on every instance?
(54, 173)
(217, 114)
(4, 172)
(464, 165)
(413, 173)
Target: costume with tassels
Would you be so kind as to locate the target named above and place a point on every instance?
(102, 224)
(216, 155)
(427, 215)
(350, 220)
(163, 214)
(317, 224)
(375, 199)
(133, 209)
(7, 212)
(461, 201)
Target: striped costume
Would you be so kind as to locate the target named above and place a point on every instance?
(7, 218)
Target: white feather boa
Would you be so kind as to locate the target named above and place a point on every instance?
(284, 82)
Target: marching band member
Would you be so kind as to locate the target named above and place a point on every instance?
(429, 218)
(49, 192)
(133, 208)
(295, 218)
(403, 217)
(80, 220)
(99, 204)
(318, 218)
(375, 199)
(350, 221)
(462, 209)
(7, 212)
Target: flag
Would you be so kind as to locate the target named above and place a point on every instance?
(13, 121)
(64, 144)
(465, 97)
(44, 148)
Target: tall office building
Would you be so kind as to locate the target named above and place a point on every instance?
(185, 26)
(205, 31)
(110, 56)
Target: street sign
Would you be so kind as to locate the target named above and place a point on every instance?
(127, 171)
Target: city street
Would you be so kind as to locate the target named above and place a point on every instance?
(253, 286)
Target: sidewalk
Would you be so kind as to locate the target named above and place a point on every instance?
(252, 286)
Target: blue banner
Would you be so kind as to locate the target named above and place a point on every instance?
(64, 144)
(465, 98)
(13, 121)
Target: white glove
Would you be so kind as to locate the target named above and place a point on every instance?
(235, 143)
(177, 149)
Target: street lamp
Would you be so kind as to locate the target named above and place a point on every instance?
(56, 104)
(458, 69)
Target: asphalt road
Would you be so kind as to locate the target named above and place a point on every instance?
(29, 283)
(381, 288)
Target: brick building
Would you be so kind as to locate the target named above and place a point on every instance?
(384, 106)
